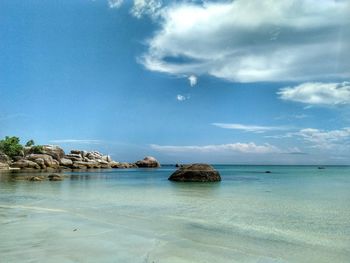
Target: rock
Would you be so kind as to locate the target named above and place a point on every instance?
(17, 158)
(196, 173)
(74, 157)
(94, 155)
(4, 166)
(267, 172)
(35, 178)
(44, 160)
(25, 164)
(113, 164)
(4, 158)
(41, 162)
(80, 165)
(123, 165)
(66, 162)
(77, 152)
(55, 177)
(106, 158)
(54, 151)
(149, 162)
(85, 165)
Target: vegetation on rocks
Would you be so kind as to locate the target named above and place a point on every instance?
(11, 146)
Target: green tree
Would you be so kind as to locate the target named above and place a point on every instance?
(38, 149)
(11, 146)
(30, 143)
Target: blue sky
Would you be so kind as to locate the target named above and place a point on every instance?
(185, 81)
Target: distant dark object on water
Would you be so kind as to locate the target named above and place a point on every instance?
(321, 167)
(267, 172)
(195, 173)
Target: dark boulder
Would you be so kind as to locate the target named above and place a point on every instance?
(196, 173)
(148, 162)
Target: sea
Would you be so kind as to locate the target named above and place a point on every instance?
(292, 214)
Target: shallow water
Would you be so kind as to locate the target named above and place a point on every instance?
(294, 214)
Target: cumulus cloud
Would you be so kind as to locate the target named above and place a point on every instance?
(146, 7)
(115, 3)
(324, 139)
(253, 40)
(193, 80)
(232, 147)
(180, 97)
(318, 93)
(249, 128)
(321, 139)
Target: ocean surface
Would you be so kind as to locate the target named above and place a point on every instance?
(293, 214)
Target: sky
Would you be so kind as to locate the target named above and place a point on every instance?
(236, 82)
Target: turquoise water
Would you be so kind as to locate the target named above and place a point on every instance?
(294, 214)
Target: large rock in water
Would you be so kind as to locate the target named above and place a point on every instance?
(149, 162)
(196, 173)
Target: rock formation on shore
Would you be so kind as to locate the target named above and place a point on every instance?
(50, 157)
(195, 173)
(149, 162)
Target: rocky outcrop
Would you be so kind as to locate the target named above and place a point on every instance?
(123, 165)
(4, 166)
(149, 162)
(66, 162)
(51, 157)
(195, 173)
(4, 158)
(74, 157)
(44, 160)
(25, 164)
(54, 151)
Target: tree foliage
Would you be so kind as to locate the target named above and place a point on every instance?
(38, 149)
(30, 143)
(11, 146)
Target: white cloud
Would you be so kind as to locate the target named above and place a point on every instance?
(180, 97)
(115, 3)
(249, 128)
(317, 93)
(193, 80)
(321, 139)
(253, 40)
(232, 147)
(76, 141)
(146, 7)
(324, 139)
